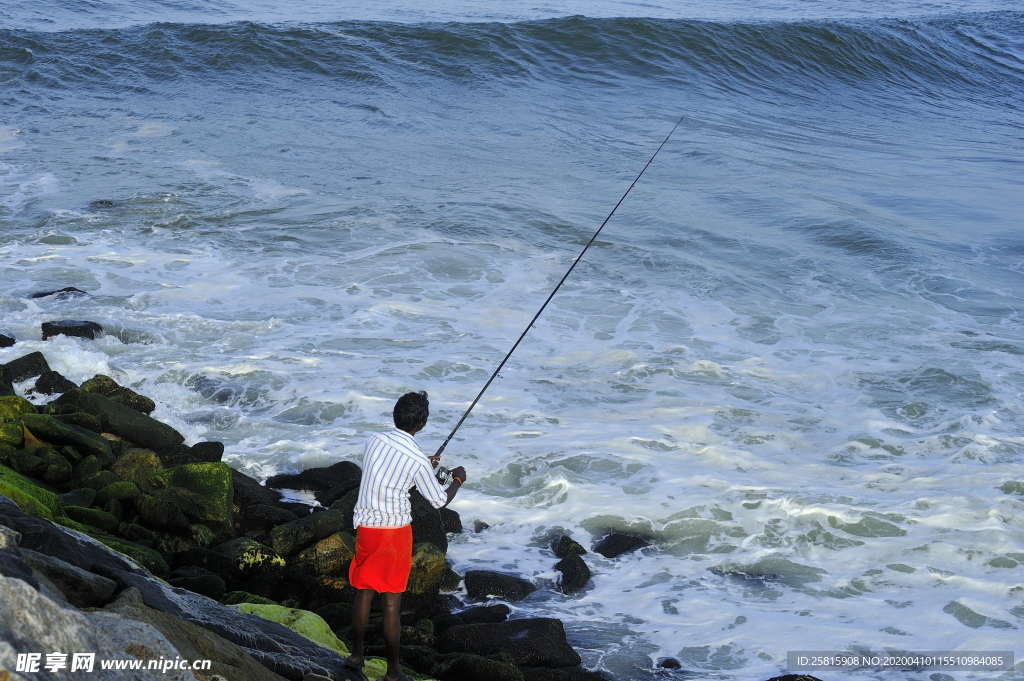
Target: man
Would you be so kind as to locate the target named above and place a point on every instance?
(392, 464)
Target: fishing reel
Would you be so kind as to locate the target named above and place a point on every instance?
(443, 475)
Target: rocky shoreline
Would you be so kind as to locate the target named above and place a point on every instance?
(116, 537)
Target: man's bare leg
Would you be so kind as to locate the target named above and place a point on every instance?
(392, 634)
(360, 618)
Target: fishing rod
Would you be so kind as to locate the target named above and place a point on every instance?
(437, 455)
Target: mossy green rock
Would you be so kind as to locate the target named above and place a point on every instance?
(12, 409)
(122, 490)
(28, 463)
(211, 483)
(50, 429)
(140, 466)
(428, 568)
(107, 387)
(82, 420)
(162, 511)
(99, 480)
(303, 622)
(29, 496)
(328, 556)
(58, 469)
(87, 467)
(248, 555)
(93, 517)
(6, 453)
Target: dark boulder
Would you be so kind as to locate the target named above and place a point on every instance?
(25, 367)
(468, 667)
(261, 518)
(794, 677)
(319, 479)
(121, 420)
(86, 421)
(248, 491)
(575, 574)
(93, 517)
(6, 387)
(200, 581)
(13, 566)
(82, 588)
(52, 383)
(107, 387)
(426, 522)
(481, 614)
(207, 452)
(481, 584)
(164, 510)
(61, 293)
(669, 663)
(6, 338)
(298, 534)
(83, 496)
(72, 327)
(536, 642)
(479, 526)
(616, 543)
(564, 546)
(562, 674)
(51, 429)
(451, 522)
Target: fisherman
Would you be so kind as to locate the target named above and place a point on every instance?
(392, 464)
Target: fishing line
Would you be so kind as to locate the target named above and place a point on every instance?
(565, 276)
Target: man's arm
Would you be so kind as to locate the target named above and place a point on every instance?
(431, 489)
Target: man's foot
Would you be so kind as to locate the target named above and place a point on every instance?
(353, 662)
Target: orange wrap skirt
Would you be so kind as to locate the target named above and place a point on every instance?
(383, 559)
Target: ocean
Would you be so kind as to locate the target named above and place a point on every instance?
(793, 359)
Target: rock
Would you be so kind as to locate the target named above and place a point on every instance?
(428, 568)
(248, 491)
(236, 597)
(6, 338)
(9, 539)
(450, 521)
(107, 387)
(562, 674)
(247, 556)
(29, 496)
(260, 518)
(200, 581)
(564, 546)
(12, 410)
(207, 452)
(56, 470)
(98, 480)
(575, 574)
(12, 565)
(481, 584)
(426, 522)
(50, 429)
(82, 588)
(82, 420)
(163, 510)
(466, 667)
(211, 484)
(794, 677)
(30, 621)
(72, 327)
(481, 614)
(479, 526)
(121, 420)
(61, 293)
(194, 642)
(669, 663)
(327, 556)
(122, 490)
(291, 537)
(25, 367)
(80, 497)
(6, 387)
(319, 479)
(335, 493)
(52, 383)
(303, 622)
(616, 543)
(93, 517)
(530, 642)
(140, 467)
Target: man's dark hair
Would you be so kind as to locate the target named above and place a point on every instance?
(411, 411)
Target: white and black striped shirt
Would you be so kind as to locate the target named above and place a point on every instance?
(392, 463)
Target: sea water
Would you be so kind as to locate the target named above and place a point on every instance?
(793, 359)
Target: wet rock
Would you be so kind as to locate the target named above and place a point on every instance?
(92, 516)
(481, 584)
(467, 667)
(107, 387)
(529, 642)
(564, 546)
(794, 677)
(481, 614)
(72, 327)
(81, 587)
(140, 467)
(210, 486)
(479, 526)
(6, 338)
(61, 293)
(163, 510)
(669, 663)
(451, 522)
(246, 557)
(6, 387)
(52, 383)
(575, 574)
(327, 556)
(88, 422)
(248, 491)
(261, 518)
(617, 543)
(428, 568)
(200, 581)
(426, 522)
(25, 367)
(562, 674)
(298, 534)
(207, 452)
(194, 642)
(320, 479)
(121, 420)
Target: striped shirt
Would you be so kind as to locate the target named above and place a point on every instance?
(392, 463)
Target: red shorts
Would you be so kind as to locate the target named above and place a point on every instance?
(383, 559)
